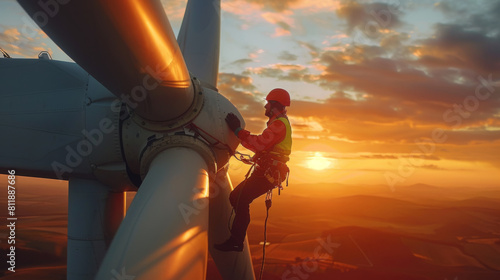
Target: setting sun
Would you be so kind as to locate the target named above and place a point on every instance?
(318, 162)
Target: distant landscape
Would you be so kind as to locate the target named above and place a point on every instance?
(320, 231)
(415, 232)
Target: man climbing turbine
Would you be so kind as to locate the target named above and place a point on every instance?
(272, 149)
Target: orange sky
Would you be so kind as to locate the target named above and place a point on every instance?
(395, 94)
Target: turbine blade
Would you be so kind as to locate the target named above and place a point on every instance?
(128, 46)
(42, 100)
(165, 232)
(231, 265)
(199, 39)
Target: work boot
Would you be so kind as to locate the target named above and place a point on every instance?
(229, 245)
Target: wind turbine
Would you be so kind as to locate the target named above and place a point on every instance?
(128, 116)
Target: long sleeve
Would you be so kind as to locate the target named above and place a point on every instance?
(272, 135)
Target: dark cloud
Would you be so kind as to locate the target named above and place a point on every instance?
(479, 17)
(394, 41)
(242, 61)
(454, 9)
(360, 53)
(285, 55)
(284, 25)
(404, 91)
(296, 75)
(370, 18)
(455, 46)
(313, 50)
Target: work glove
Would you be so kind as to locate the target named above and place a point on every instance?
(233, 122)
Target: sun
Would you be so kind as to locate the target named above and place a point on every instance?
(318, 162)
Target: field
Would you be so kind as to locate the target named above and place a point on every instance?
(314, 232)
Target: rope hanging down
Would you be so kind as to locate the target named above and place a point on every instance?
(269, 202)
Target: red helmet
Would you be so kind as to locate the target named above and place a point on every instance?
(280, 95)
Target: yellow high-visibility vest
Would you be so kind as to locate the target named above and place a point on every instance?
(285, 146)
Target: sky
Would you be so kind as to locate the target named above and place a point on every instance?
(383, 92)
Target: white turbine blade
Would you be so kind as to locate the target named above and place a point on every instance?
(231, 265)
(164, 234)
(199, 39)
(42, 100)
(128, 46)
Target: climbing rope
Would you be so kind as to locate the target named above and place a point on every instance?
(269, 202)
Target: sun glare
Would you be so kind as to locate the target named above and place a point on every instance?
(318, 162)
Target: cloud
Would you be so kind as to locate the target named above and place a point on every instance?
(236, 81)
(285, 5)
(394, 41)
(455, 46)
(276, 5)
(313, 50)
(483, 18)
(280, 32)
(242, 61)
(393, 94)
(376, 123)
(283, 21)
(285, 55)
(10, 35)
(282, 13)
(18, 44)
(174, 9)
(317, 6)
(370, 18)
(373, 125)
(289, 72)
(388, 90)
(239, 89)
(256, 54)
(408, 89)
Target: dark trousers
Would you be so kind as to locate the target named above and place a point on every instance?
(241, 197)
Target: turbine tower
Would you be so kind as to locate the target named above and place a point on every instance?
(138, 111)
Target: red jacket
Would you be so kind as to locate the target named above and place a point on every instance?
(274, 133)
